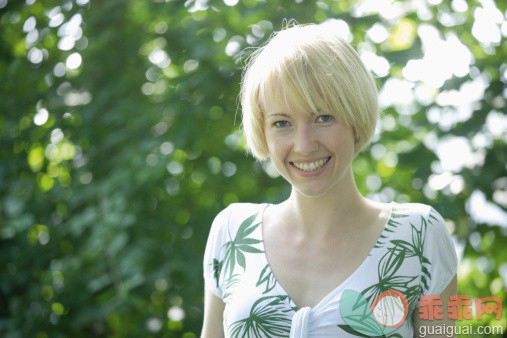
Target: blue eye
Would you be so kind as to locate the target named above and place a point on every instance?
(325, 118)
(281, 124)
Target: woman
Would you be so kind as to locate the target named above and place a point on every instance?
(310, 106)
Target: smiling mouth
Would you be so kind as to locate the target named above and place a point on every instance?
(312, 166)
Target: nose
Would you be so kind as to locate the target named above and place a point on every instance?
(305, 141)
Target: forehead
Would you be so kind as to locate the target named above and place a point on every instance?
(281, 108)
(283, 97)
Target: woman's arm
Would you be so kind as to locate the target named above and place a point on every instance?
(450, 290)
(213, 326)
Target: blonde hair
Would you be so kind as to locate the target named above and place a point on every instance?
(312, 68)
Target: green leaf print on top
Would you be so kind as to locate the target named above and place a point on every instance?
(217, 268)
(268, 318)
(387, 278)
(228, 284)
(235, 249)
(415, 249)
(399, 252)
(391, 226)
(267, 277)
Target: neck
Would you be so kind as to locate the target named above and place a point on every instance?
(318, 217)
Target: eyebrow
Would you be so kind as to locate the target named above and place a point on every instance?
(287, 115)
(278, 114)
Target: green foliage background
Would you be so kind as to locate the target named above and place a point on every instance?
(111, 173)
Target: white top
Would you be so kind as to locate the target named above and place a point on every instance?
(413, 255)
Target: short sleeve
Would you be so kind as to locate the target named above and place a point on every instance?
(440, 251)
(213, 253)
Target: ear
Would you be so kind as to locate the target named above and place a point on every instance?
(357, 139)
(356, 136)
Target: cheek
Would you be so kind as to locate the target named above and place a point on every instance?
(344, 142)
(277, 144)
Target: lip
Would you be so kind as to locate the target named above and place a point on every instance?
(314, 172)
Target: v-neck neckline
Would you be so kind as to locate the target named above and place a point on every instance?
(383, 235)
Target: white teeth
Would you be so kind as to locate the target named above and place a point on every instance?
(310, 166)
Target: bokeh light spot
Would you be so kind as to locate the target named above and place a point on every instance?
(41, 117)
(73, 61)
(231, 2)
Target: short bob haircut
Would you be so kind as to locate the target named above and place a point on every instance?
(312, 68)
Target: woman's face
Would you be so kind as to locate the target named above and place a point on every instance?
(313, 152)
